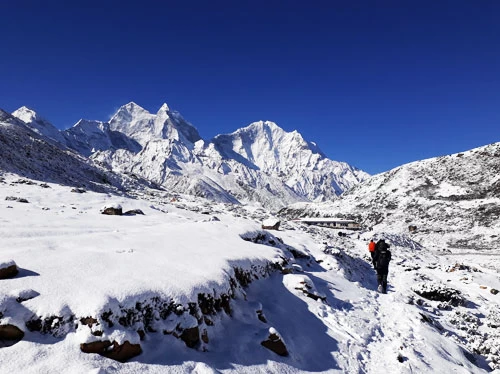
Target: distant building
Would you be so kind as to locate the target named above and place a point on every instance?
(333, 223)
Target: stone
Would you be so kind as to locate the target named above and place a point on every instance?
(88, 321)
(124, 352)
(133, 212)
(114, 351)
(275, 344)
(191, 336)
(271, 224)
(99, 346)
(9, 271)
(11, 332)
(438, 292)
(494, 291)
(110, 211)
(261, 317)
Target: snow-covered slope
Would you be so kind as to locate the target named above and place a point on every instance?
(197, 287)
(452, 200)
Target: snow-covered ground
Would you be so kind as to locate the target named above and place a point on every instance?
(140, 277)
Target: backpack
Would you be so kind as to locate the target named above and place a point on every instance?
(383, 258)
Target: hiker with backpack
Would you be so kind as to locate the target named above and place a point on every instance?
(371, 249)
(382, 257)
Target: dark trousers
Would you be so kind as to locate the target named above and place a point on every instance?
(373, 260)
(382, 280)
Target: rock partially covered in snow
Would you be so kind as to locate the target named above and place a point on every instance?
(271, 224)
(112, 209)
(24, 295)
(439, 292)
(133, 212)
(275, 343)
(302, 283)
(8, 269)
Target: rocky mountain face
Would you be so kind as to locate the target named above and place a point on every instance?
(26, 152)
(287, 156)
(88, 137)
(38, 124)
(259, 163)
(452, 202)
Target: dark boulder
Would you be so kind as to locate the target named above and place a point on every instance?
(123, 352)
(8, 270)
(112, 210)
(10, 335)
(275, 344)
(114, 351)
(133, 212)
(191, 336)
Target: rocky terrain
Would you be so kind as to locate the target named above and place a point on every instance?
(449, 203)
(183, 284)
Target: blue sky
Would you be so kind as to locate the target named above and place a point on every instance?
(374, 83)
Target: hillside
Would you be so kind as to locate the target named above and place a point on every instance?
(451, 200)
(204, 283)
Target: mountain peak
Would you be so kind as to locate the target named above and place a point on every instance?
(262, 123)
(164, 108)
(128, 111)
(25, 109)
(132, 107)
(26, 114)
(38, 124)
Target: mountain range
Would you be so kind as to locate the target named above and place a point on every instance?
(451, 201)
(259, 163)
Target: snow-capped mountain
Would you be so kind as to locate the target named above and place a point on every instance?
(142, 126)
(260, 163)
(453, 201)
(38, 124)
(32, 155)
(287, 156)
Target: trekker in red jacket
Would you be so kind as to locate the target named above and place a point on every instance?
(371, 248)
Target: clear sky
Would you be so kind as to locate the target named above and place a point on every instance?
(374, 83)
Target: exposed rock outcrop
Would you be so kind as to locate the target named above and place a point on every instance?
(8, 270)
(275, 343)
(118, 352)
